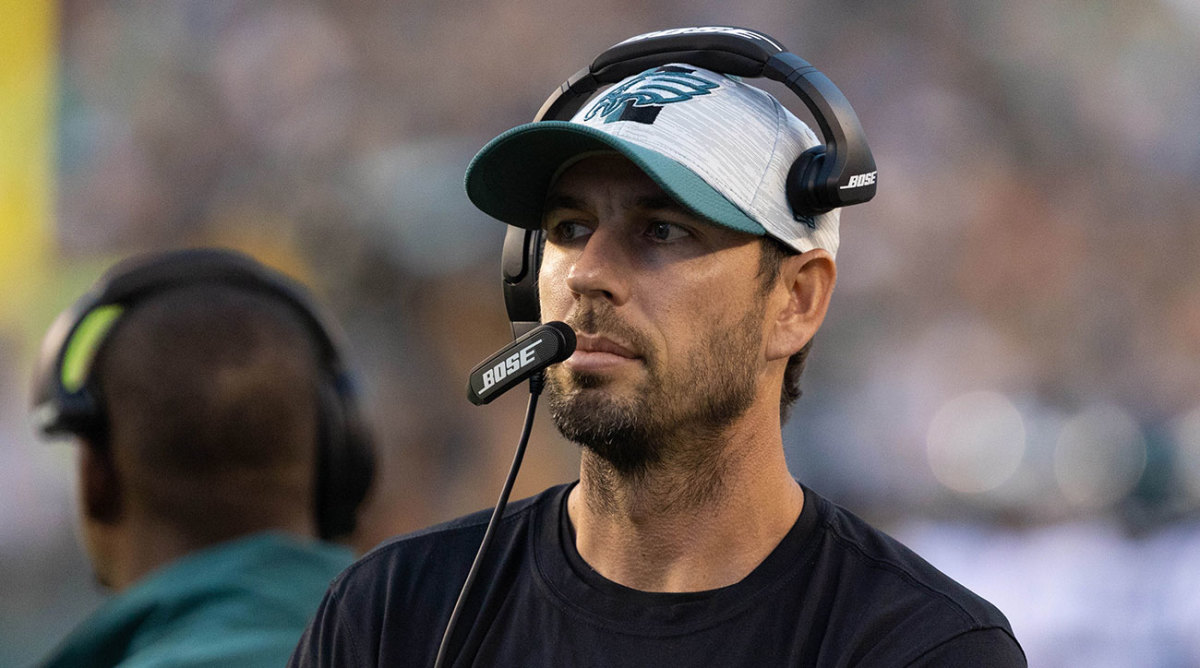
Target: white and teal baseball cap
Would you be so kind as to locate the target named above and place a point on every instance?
(718, 146)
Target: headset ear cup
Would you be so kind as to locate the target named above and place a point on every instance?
(520, 262)
(82, 413)
(345, 464)
(803, 192)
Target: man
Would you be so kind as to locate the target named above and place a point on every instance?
(685, 541)
(198, 385)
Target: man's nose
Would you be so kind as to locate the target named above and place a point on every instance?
(602, 268)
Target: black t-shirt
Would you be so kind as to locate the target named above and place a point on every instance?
(835, 592)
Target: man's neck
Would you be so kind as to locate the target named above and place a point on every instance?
(145, 546)
(140, 549)
(683, 528)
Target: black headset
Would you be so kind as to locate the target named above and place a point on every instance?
(839, 173)
(65, 390)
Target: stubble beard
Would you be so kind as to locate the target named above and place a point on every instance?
(675, 417)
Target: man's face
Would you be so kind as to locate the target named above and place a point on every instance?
(669, 312)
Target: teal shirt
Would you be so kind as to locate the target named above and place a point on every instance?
(240, 603)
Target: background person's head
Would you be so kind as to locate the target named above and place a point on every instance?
(211, 402)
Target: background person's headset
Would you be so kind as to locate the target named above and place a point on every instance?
(818, 181)
(66, 399)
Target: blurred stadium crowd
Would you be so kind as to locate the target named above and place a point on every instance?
(1009, 377)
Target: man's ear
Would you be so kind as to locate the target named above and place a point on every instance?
(801, 297)
(99, 484)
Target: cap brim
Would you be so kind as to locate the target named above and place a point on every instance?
(509, 177)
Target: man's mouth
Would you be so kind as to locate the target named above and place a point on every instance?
(598, 353)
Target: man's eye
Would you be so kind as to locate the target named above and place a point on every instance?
(662, 231)
(567, 231)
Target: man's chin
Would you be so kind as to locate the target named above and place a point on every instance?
(584, 394)
(615, 431)
(583, 399)
(588, 399)
(567, 382)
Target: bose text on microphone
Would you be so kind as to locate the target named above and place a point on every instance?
(548, 344)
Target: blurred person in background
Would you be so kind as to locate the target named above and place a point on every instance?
(220, 450)
(696, 277)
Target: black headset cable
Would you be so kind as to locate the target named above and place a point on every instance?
(535, 388)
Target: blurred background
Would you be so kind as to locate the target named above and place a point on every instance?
(1008, 379)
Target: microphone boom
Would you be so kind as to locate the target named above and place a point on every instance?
(548, 344)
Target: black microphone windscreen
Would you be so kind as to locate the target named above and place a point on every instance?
(548, 344)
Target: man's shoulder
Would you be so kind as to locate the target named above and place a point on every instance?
(895, 565)
(887, 582)
(251, 596)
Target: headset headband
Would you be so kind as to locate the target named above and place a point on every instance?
(62, 394)
(744, 53)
